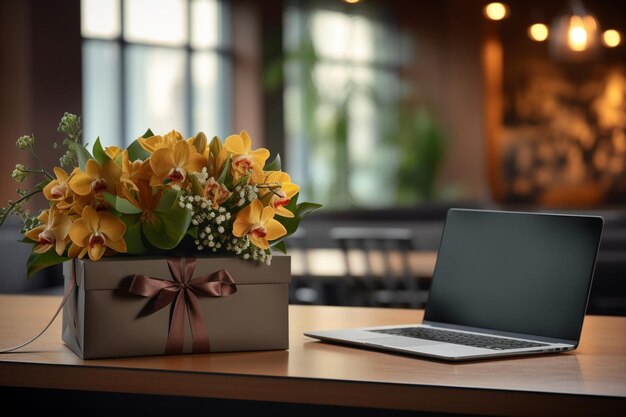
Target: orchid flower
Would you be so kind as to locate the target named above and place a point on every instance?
(282, 189)
(155, 142)
(257, 222)
(95, 179)
(58, 191)
(216, 192)
(94, 232)
(174, 164)
(52, 233)
(244, 159)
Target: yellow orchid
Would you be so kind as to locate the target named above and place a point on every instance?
(200, 142)
(113, 151)
(58, 191)
(216, 156)
(94, 232)
(279, 184)
(52, 233)
(244, 159)
(132, 173)
(155, 142)
(174, 164)
(95, 179)
(216, 192)
(257, 222)
(145, 199)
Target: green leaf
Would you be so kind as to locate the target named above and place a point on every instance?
(275, 165)
(82, 153)
(299, 211)
(225, 172)
(168, 199)
(121, 204)
(193, 232)
(304, 209)
(148, 134)
(167, 229)
(281, 246)
(38, 261)
(135, 244)
(98, 152)
(135, 152)
(196, 187)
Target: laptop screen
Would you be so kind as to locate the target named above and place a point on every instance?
(515, 272)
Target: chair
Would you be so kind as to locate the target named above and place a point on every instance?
(377, 266)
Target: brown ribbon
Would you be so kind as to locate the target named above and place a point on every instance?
(182, 293)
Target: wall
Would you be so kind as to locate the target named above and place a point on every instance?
(446, 71)
(40, 77)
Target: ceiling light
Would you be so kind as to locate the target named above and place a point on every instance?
(611, 38)
(496, 11)
(574, 35)
(538, 32)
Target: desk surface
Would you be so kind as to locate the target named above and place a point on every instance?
(592, 379)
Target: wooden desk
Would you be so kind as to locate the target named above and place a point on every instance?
(591, 381)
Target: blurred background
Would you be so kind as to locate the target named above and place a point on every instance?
(386, 112)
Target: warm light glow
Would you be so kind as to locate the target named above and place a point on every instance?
(352, 1)
(538, 32)
(577, 34)
(496, 11)
(611, 38)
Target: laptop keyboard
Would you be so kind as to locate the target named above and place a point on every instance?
(459, 338)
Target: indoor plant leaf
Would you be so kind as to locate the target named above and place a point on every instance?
(135, 152)
(121, 204)
(166, 229)
(38, 261)
(135, 244)
(168, 199)
(275, 165)
(98, 152)
(82, 153)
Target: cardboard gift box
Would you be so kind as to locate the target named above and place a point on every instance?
(131, 306)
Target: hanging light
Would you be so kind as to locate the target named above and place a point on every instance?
(496, 11)
(611, 38)
(574, 35)
(538, 32)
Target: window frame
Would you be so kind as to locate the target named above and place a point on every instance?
(225, 59)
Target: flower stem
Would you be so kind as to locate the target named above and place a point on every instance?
(13, 204)
(41, 170)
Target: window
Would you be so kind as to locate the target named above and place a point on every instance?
(158, 64)
(342, 91)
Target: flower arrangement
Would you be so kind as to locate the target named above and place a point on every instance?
(162, 194)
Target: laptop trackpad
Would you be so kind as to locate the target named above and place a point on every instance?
(398, 341)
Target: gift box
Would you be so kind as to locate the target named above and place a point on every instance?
(127, 306)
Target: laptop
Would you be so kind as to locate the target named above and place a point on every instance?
(505, 284)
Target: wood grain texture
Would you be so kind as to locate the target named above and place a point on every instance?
(591, 379)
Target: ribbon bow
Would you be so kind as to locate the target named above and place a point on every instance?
(182, 292)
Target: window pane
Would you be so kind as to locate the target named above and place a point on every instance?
(204, 23)
(155, 90)
(161, 22)
(331, 34)
(210, 92)
(100, 18)
(101, 92)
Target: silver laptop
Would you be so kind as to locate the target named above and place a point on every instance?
(505, 284)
